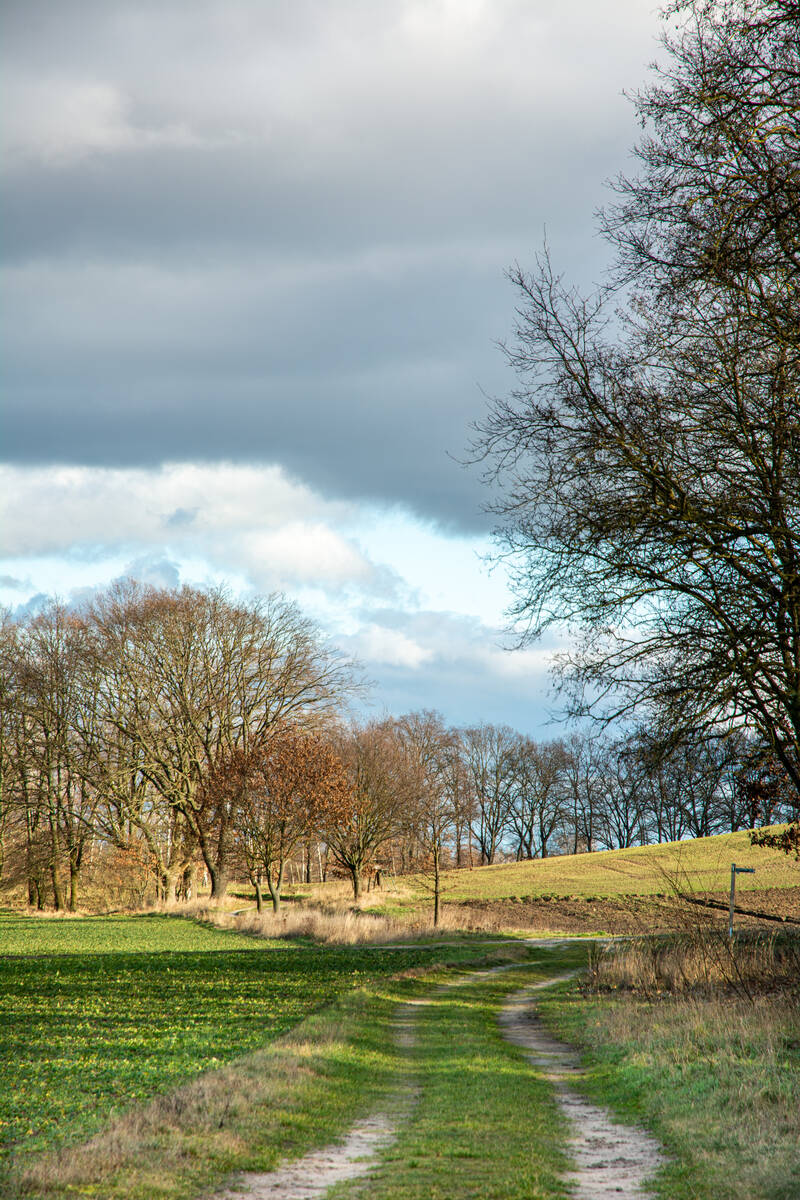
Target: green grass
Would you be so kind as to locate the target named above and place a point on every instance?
(717, 1081)
(304, 1089)
(485, 1125)
(299, 1092)
(700, 865)
(86, 1032)
(114, 935)
(217, 1053)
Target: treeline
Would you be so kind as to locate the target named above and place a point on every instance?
(113, 718)
(155, 735)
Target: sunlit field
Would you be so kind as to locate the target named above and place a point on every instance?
(98, 1013)
(701, 865)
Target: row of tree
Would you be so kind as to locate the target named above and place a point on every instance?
(158, 733)
(113, 717)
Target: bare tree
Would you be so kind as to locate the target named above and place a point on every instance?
(622, 817)
(9, 717)
(583, 789)
(649, 462)
(489, 753)
(539, 795)
(462, 798)
(52, 778)
(432, 818)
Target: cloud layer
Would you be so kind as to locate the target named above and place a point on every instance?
(251, 279)
(276, 233)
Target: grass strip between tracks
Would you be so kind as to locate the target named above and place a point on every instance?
(485, 1125)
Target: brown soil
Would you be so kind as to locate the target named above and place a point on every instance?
(770, 909)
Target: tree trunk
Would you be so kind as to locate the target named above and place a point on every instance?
(169, 882)
(219, 880)
(355, 875)
(275, 886)
(58, 896)
(259, 894)
(189, 882)
(436, 889)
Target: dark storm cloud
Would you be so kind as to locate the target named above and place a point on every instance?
(277, 232)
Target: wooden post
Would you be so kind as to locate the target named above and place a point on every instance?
(734, 872)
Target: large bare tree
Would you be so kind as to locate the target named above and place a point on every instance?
(489, 753)
(435, 811)
(648, 464)
(197, 676)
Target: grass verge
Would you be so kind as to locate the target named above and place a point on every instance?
(716, 1077)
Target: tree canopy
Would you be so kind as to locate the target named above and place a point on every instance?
(648, 464)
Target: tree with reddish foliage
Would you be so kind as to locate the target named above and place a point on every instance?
(767, 792)
(278, 792)
(384, 786)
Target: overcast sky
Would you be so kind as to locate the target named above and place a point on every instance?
(253, 265)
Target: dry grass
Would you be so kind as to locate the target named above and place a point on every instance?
(735, 1108)
(698, 1039)
(348, 926)
(717, 1079)
(702, 962)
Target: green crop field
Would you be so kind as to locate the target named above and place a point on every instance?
(702, 865)
(115, 935)
(97, 1013)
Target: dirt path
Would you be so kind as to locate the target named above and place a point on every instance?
(611, 1160)
(309, 1177)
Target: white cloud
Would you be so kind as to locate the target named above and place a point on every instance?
(57, 121)
(388, 647)
(457, 664)
(407, 601)
(447, 641)
(254, 520)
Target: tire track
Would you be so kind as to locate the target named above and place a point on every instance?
(611, 1159)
